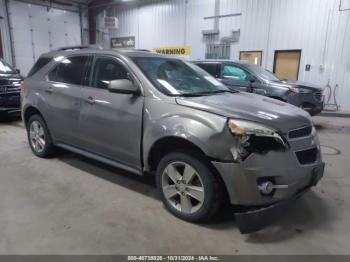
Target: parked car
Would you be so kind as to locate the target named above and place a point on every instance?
(146, 112)
(248, 77)
(10, 81)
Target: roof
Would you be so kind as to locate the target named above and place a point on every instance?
(97, 50)
(219, 61)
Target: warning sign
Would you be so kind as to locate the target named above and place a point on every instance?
(179, 50)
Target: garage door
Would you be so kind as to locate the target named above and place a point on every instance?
(36, 29)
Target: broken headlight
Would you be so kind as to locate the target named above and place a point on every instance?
(254, 138)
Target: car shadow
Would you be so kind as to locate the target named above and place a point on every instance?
(10, 119)
(141, 184)
(305, 214)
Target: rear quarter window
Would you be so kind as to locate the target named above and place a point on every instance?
(40, 63)
(211, 68)
(70, 70)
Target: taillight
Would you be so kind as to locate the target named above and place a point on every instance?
(21, 87)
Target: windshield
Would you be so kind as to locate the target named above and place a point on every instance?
(5, 68)
(175, 77)
(264, 74)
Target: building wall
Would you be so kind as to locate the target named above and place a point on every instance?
(317, 27)
(5, 33)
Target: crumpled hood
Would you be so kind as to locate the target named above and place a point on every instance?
(247, 106)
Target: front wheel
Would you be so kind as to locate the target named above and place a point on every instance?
(188, 186)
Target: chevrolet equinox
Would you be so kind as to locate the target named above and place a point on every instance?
(145, 112)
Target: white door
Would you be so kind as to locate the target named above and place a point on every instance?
(36, 29)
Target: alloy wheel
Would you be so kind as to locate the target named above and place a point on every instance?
(37, 136)
(183, 187)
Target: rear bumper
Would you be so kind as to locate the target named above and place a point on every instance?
(259, 217)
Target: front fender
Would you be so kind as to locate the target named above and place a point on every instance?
(205, 130)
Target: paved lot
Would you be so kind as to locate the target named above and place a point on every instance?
(72, 205)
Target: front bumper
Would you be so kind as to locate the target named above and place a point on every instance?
(10, 104)
(10, 111)
(292, 171)
(260, 217)
(308, 101)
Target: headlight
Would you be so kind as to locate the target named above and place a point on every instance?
(293, 89)
(254, 137)
(242, 128)
(304, 91)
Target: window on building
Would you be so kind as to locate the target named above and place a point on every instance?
(254, 57)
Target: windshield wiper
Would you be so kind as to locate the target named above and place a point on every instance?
(208, 93)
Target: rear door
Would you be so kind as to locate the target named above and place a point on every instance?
(62, 91)
(111, 123)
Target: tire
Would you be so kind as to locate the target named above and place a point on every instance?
(41, 144)
(183, 197)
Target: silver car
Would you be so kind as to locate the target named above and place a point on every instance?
(145, 112)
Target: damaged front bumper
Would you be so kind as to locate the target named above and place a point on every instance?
(257, 218)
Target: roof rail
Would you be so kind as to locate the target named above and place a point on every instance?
(143, 50)
(79, 47)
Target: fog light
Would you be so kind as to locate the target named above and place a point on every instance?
(267, 187)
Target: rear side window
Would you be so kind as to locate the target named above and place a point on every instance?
(70, 70)
(211, 68)
(40, 63)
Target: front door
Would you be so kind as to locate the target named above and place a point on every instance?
(235, 77)
(111, 123)
(286, 65)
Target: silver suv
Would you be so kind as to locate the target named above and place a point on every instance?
(145, 112)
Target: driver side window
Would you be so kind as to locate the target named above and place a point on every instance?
(233, 72)
(107, 69)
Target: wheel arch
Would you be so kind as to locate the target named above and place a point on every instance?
(166, 145)
(30, 111)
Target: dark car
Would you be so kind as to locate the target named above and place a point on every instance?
(249, 77)
(10, 81)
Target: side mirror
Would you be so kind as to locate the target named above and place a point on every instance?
(18, 71)
(251, 79)
(123, 86)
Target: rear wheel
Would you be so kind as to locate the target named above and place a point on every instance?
(39, 137)
(188, 186)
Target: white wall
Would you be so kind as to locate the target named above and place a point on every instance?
(314, 26)
(35, 29)
(5, 33)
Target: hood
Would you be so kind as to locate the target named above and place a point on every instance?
(241, 105)
(304, 85)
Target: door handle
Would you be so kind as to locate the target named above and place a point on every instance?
(49, 90)
(90, 100)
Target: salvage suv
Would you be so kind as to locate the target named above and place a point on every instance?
(149, 113)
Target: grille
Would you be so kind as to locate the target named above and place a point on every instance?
(9, 89)
(307, 156)
(301, 132)
(4, 81)
(318, 95)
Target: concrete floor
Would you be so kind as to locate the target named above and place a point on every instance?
(72, 205)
